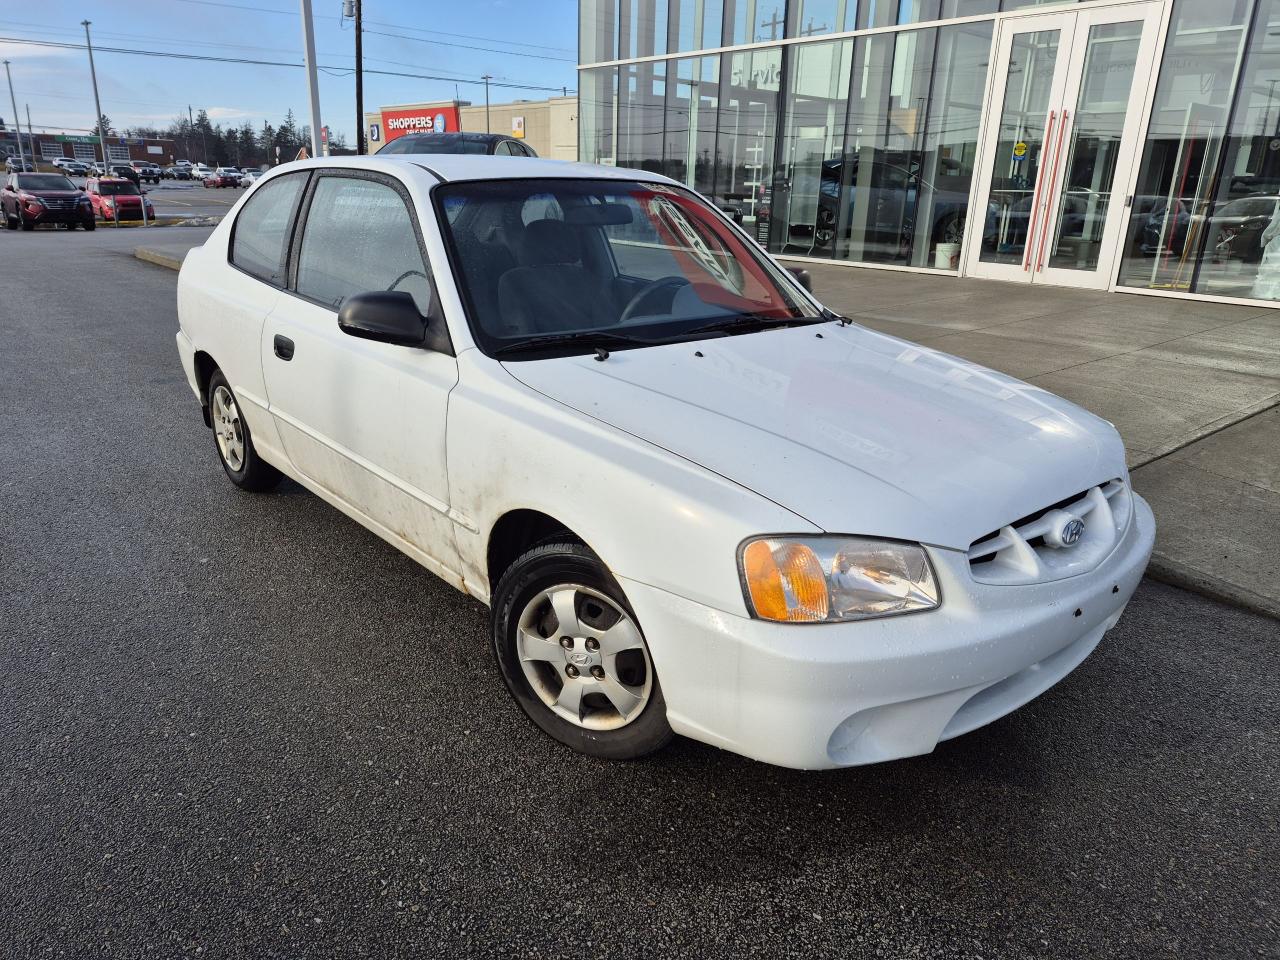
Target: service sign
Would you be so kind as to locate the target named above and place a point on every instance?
(396, 123)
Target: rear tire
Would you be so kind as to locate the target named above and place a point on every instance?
(573, 655)
(233, 441)
(90, 224)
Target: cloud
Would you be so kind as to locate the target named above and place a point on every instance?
(25, 52)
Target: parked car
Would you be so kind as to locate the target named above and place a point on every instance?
(469, 143)
(232, 173)
(220, 178)
(1235, 229)
(114, 198)
(18, 165)
(146, 170)
(123, 171)
(250, 177)
(31, 199)
(176, 172)
(71, 167)
(199, 171)
(695, 500)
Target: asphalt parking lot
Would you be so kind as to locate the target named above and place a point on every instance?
(242, 726)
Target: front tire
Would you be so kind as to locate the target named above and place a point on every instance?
(234, 443)
(573, 655)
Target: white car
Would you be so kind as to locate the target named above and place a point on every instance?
(199, 171)
(250, 177)
(694, 500)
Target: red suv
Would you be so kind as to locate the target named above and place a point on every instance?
(33, 198)
(114, 198)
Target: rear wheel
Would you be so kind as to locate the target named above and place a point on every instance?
(90, 224)
(239, 459)
(573, 655)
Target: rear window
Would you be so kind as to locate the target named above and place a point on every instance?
(438, 143)
(261, 236)
(44, 181)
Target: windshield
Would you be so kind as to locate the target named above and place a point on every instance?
(621, 260)
(438, 143)
(117, 189)
(44, 181)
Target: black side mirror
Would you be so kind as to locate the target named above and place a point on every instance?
(802, 277)
(388, 316)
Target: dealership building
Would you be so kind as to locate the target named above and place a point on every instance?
(1130, 146)
(550, 127)
(50, 146)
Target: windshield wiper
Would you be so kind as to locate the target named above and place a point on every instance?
(599, 339)
(751, 322)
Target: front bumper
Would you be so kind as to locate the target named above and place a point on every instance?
(834, 695)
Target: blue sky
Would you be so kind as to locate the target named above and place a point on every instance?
(529, 42)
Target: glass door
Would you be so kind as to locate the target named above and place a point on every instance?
(1070, 89)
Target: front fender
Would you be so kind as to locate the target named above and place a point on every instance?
(650, 515)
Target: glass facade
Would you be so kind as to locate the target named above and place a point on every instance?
(1206, 210)
(853, 130)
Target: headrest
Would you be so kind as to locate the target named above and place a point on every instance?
(550, 241)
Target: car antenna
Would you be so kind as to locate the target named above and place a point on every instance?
(602, 354)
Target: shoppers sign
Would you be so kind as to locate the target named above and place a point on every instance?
(396, 123)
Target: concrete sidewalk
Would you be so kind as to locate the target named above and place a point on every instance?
(1193, 387)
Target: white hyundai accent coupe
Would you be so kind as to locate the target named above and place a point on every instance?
(694, 500)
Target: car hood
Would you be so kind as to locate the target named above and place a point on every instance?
(855, 431)
(54, 194)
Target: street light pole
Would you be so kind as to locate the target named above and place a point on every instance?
(486, 78)
(313, 89)
(31, 135)
(17, 126)
(97, 104)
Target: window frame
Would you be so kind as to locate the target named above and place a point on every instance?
(433, 314)
(290, 231)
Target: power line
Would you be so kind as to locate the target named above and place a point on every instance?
(383, 23)
(261, 63)
(467, 46)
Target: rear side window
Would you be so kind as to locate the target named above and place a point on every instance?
(261, 237)
(359, 237)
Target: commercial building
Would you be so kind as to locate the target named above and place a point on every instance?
(49, 146)
(1106, 144)
(549, 126)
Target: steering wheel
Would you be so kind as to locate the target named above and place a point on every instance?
(647, 291)
(405, 276)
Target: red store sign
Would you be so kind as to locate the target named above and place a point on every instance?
(396, 123)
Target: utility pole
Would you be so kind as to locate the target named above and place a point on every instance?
(313, 89)
(97, 104)
(31, 135)
(360, 145)
(17, 126)
(486, 78)
(191, 124)
(351, 9)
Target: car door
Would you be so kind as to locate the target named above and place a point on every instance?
(361, 419)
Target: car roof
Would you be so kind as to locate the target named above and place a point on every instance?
(452, 168)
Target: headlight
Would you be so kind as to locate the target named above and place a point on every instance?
(831, 579)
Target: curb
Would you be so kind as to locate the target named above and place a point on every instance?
(158, 257)
(1170, 571)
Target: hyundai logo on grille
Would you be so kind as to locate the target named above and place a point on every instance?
(1072, 531)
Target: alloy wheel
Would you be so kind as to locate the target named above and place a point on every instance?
(227, 427)
(584, 657)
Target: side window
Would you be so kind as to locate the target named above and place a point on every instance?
(503, 149)
(261, 237)
(359, 237)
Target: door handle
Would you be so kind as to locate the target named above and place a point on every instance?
(1053, 189)
(283, 347)
(1033, 217)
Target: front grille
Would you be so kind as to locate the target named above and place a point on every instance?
(60, 204)
(1032, 550)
